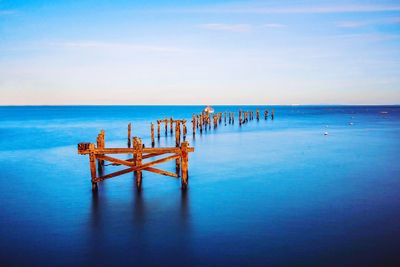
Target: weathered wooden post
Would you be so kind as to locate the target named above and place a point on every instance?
(137, 159)
(152, 134)
(233, 117)
(272, 114)
(177, 144)
(240, 118)
(266, 114)
(99, 145)
(258, 114)
(185, 161)
(166, 126)
(172, 123)
(201, 123)
(194, 124)
(129, 134)
(92, 158)
(158, 129)
(184, 130)
(177, 133)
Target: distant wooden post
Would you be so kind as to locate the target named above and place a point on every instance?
(233, 117)
(129, 134)
(152, 134)
(266, 114)
(258, 114)
(184, 130)
(172, 123)
(201, 123)
(158, 128)
(240, 117)
(177, 133)
(272, 114)
(166, 126)
(137, 159)
(92, 159)
(194, 124)
(184, 159)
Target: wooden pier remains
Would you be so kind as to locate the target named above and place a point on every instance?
(140, 158)
(135, 163)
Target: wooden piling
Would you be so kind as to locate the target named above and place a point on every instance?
(177, 133)
(158, 128)
(272, 114)
(137, 160)
(129, 134)
(92, 159)
(201, 123)
(184, 130)
(166, 126)
(258, 114)
(172, 123)
(184, 162)
(194, 124)
(177, 144)
(152, 135)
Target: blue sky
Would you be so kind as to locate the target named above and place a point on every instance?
(199, 52)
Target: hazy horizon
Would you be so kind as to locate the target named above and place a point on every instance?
(303, 52)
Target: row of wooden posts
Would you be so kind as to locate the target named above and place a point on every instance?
(138, 152)
(201, 122)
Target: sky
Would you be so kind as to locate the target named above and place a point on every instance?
(199, 52)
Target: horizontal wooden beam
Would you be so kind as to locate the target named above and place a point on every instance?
(150, 169)
(159, 150)
(115, 160)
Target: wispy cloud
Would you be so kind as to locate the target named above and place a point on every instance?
(7, 12)
(115, 46)
(363, 23)
(248, 9)
(274, 25)
(226, 27)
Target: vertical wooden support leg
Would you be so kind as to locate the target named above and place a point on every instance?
(177, 144)
(92, 159)
(171, 121)
(137, 159)
(272, 114)
(129, 134)
(184, 159)
(166, 127)
(152, 135)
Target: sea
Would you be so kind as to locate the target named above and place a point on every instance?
(316, 186)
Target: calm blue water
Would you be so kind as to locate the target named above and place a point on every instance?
(270, 193)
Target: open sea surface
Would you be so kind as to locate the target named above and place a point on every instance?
(268, 193)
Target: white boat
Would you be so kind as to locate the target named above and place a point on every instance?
(208, 109)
